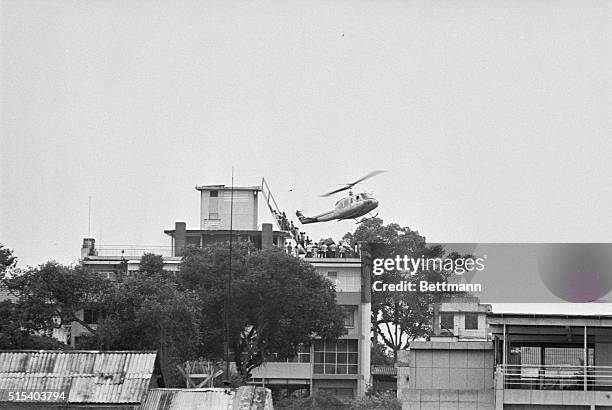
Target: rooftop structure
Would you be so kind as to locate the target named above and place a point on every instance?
(98, 379)
(181, 237)
(550, 359)
(216, 206)
(460, 318)
(526, 361)
(242, 398)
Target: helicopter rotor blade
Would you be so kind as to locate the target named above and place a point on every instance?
(370, 175)
(351, 184)
(344, 188)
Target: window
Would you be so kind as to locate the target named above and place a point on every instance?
(213, 205)
(302, 356)
(471, 320)
(90, 316)
(332, 275)
(447, 321)
(335, 358)
(349, 315)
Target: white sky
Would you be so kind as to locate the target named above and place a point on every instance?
(493, 118)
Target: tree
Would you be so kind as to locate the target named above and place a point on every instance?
(7, 260)
(379, 356)
(28, 322)
(13, 335)
(151, 264)
(400, 317)
(52, 295)
(278, 302)
(151, 313)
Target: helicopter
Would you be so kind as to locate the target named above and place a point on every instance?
(351, 207)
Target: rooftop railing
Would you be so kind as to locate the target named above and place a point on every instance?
(132, 251)
(556, 377)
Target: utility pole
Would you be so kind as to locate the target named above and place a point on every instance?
(228, 293)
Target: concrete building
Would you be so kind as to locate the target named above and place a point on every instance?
(341, 368)
(181, 237)
(460, 318)
(521, 361)
(454, 369)
(552, 361)
(216, 207)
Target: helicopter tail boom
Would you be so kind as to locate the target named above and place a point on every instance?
(305, 219)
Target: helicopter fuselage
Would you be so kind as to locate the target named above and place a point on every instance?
(351, 207)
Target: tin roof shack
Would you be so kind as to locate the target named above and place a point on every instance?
(77, 379)
(243, 398)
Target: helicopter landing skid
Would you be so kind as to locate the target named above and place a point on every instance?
(365, 219)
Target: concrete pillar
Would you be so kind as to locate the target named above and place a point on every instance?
(180, 229)
(585, 359)
(266, 236)
(499, 389)
(436, 319)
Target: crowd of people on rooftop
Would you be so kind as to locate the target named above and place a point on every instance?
(302, 244)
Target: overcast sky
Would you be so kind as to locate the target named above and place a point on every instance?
(493, 118)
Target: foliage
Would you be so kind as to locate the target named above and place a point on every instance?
(7, 260)
(14, 336)
(52, 295)
(316, 401)
(400, 317)
(379, 355)
(277, 302)
(143, 312)
(150, 313)
(151, 264)
(321, 400)
(386, 401)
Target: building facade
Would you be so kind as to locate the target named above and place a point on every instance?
(516, 362)
(218, 203)
(341, 368)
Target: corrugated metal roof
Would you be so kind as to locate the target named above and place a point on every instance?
(6, 294)
(188, 399)
(83, 376)
(384, 370)
(244, 398)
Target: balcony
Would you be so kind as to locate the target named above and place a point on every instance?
(554, 385)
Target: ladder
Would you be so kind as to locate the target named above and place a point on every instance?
(273, 206)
